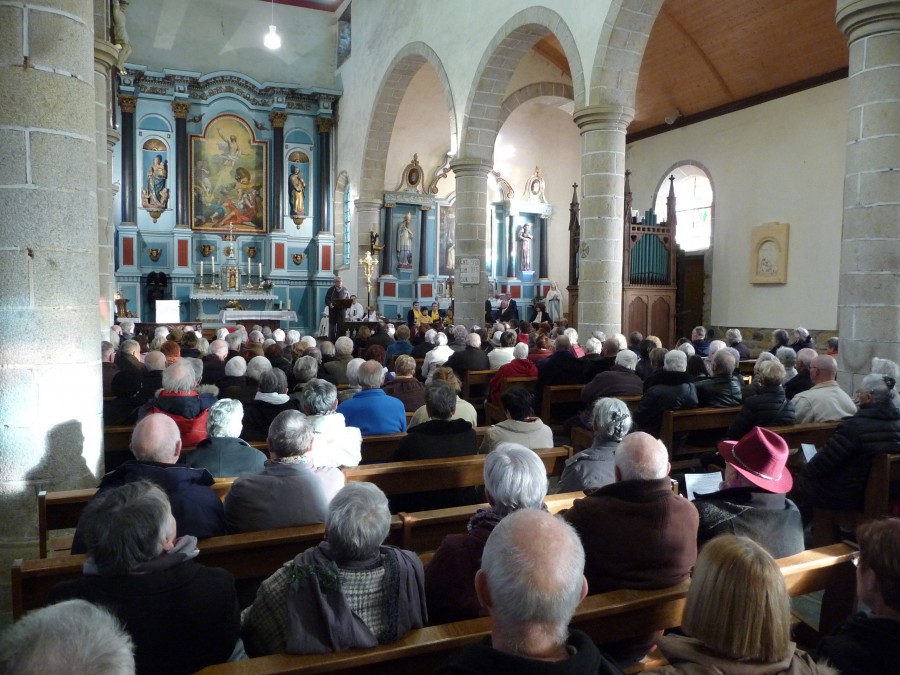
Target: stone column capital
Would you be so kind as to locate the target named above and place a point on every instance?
(324, 124)
(859, 19)
(463, 166)
(127, 103)
(181, 109)
(367, 205)
(278, 119)
(603, 118)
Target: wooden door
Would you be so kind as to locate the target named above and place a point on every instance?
(689, 296)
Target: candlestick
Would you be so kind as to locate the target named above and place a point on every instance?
(279, 304)
(248, 270)
(289, 302)
(214, 265)
(201, 271)
(260, 273)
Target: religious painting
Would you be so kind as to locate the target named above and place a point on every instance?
(446, 240)
(229, 178)
(155, 190)
(297, 185)
(769, 250)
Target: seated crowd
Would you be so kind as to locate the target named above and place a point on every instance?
(204, 410)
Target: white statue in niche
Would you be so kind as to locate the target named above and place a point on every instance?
(525, 240)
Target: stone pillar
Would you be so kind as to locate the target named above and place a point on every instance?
(105, 55)
(368, 219)
(181, 109)
(869, 298)
(323, 172)
(277, 119)
(603, 186)
(50, 384)
(471, 235)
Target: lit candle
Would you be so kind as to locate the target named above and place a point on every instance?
(289, 302)
(260, 272)
(248, 269)
(201, 270)
(214, 265)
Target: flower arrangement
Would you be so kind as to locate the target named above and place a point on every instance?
(267, 284)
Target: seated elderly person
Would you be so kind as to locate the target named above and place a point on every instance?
(464, 410)
(270, 401)
(289, 490)
(825, 401)
(733, 338)
(181, 615)
(514, 478)
(371, 410)
(343, 352)
(595, 467)
(214, 362)
(441, 435)
(123, 408)
(305, 368)
(235, 379)
(803, 380)
(180, 400)
(353, 387)
(504, 353)
(42, 641)
(752, 500)
(436, 357)
(788, 358)
(401, 344)
(222, 452)
(349, 591)
(247, 391)
(723, 389)
(520, 366)
(869, 642)
(405, 386)
(520, 425)
(674, 391)
(470, 357)
(768, 408)
(336, 444)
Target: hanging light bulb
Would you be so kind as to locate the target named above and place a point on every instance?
(272, 40)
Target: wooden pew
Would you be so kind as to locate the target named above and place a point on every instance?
(252, 557)
(61, 510)
(816, 433)
(606, 617)
(495, 413)
(475, 387)
(381, 447)
(883, 476)
(675, 422)
(424, 531)
(566, 396)
(398, 478)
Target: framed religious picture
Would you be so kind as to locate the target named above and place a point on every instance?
(446, 239)
(229, 178)
(769, 253)
(411, 179)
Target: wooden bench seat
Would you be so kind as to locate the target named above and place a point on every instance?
(475, 385)
(676, 422)
(559, 402)
(494, 412)
(381, 447)
(606, 617)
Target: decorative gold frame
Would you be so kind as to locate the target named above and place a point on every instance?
(298, 258)
(413, 177)
(769, 253)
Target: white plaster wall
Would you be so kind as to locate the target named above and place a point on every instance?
(782, 161)
(213, 35)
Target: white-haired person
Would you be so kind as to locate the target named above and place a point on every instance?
(181, 400)
(520, 366)
(699, 341)
(788, 358)
(531, 582)
(108, 366)
(405, 386)
(181, 615)
(464, 409)
(734, 339)
(436, 357)
(520, 426)
(514, 478)
(737, 617)
(214, 362)
(235, 377)
(336, 444)
(350, 591)
(422, 341)
(73, 636)
(353, 387)
(223, 452)
(343, 352)
(271, 400)
(673, 391)
(767, 408)
(594, 467)
(576, 348)
(618, 380)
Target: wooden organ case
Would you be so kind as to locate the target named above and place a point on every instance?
(648, 270)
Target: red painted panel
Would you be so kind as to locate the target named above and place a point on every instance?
(182, 252)
(390, 289)
(426, 290)
(515, 291)
(326, 258)
(279, 256)
(128, 251)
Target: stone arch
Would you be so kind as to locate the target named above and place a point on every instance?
(621, 48)
(504, 53)
(551, 90)
(408, 61)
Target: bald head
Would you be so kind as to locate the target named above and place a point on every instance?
(641, 457)
(155, 361)
(531, 576)
(822, 369)
(156, 439)
(805, 357)
(218, 348)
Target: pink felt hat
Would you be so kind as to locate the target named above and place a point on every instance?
(760, 457)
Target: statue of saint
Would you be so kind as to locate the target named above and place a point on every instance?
(404, 243)
(525, 240)
(296, 192)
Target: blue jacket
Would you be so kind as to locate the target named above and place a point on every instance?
(374, 412)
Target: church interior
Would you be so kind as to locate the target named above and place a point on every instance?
(432, 152)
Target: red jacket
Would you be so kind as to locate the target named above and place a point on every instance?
(515, 368)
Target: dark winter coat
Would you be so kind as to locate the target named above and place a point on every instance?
(769, 408)
(675, 391)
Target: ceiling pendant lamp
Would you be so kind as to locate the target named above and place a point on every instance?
(272, 40)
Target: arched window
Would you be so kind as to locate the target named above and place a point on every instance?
(342, 216)
(347, 225)
(693, 206)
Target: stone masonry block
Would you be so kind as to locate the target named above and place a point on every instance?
(870, 289)
(880, 188)
(871, 221)
(14, 279)
(870, 255)
(872, 154)
(881, 119)
(18, 388)
(12, 154)
(34, 98)
(80, 322)
(68, 220)
(53, 271)
(48, 168)
(869, 87)
(882, 50)
(60, 43)
(10, 35)
(871, 321)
